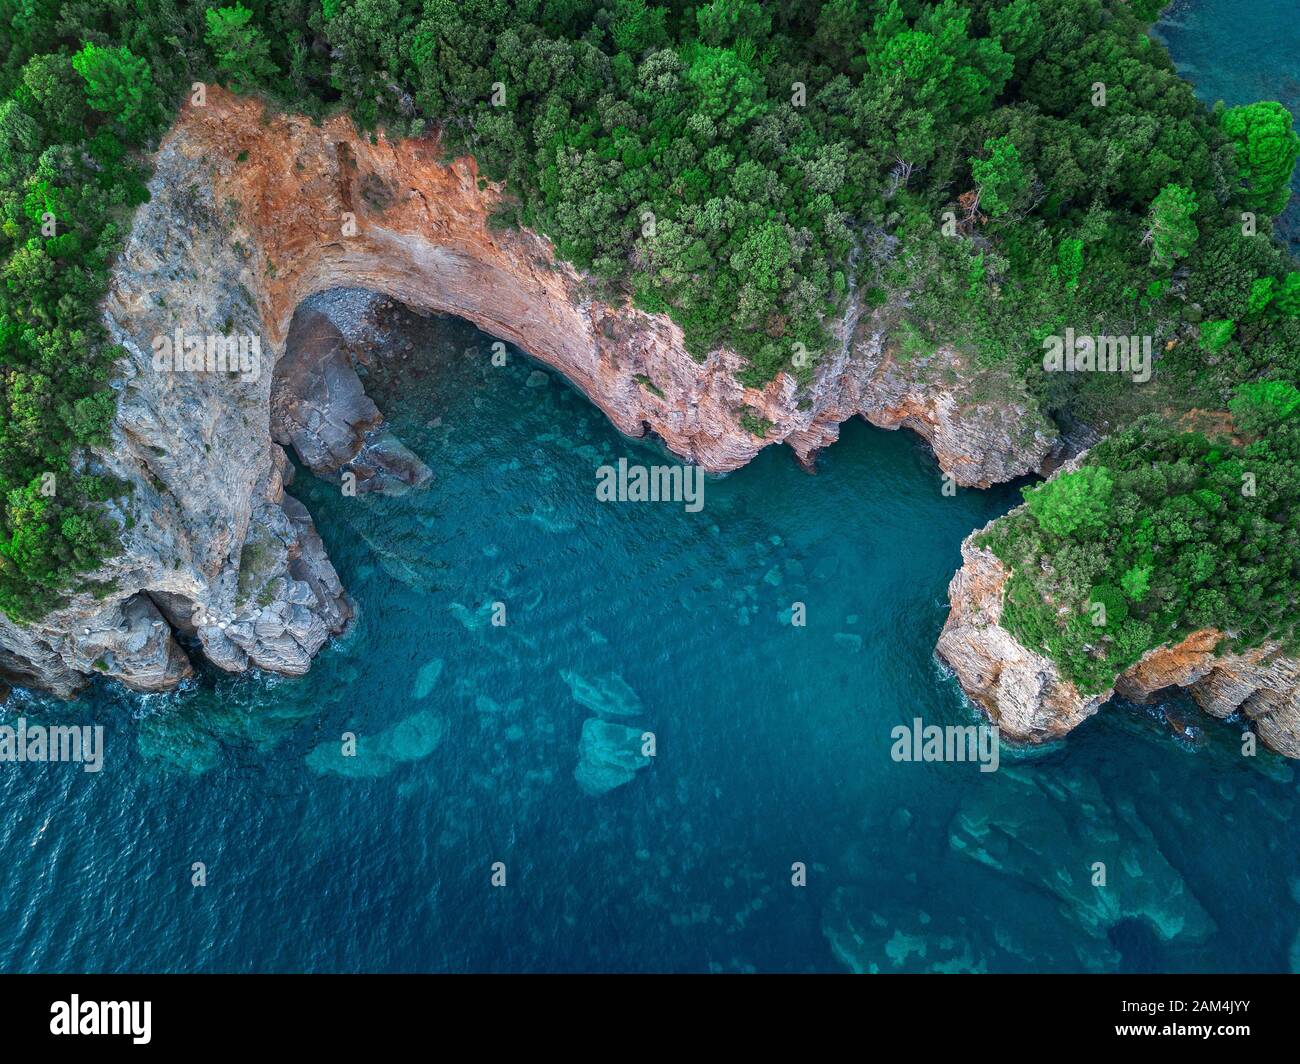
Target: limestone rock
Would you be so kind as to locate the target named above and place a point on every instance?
(319, 407)
(1019, 689)
(1023, 692)
(318, 404)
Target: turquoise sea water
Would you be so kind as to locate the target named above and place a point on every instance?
(484, 744)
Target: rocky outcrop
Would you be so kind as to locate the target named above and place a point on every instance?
(1262, 684)
(319, 407)
(1024, 693)
(981, 425)
(1020, 690)
(251, 215)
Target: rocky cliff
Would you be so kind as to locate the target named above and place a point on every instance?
(251, 214)
(1024, 693)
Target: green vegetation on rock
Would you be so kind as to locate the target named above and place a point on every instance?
(75, 111)
(988, 172)
(1161, 532)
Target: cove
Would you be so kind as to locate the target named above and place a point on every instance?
(771, 743)
(520, 744)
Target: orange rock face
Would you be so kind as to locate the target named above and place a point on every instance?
(1180, 665)
(319, 207)
(322, 207)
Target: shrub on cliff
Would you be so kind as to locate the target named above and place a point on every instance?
(1072, 502)
(1266, 148)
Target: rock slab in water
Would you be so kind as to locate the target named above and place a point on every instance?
(609, 755)
(609, 695)
(1053, 834)
(411, 739)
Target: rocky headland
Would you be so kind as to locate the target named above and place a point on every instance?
(1025, 695)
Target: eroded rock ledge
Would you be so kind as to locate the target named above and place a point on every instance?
(1024, 693)
(251, 214)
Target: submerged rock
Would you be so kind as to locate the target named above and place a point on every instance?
(609, 755)
(427, 678)
(471, 619)
(179, 741)
(411, 739)
(869, 937)
(609, 695)
(1054, 833)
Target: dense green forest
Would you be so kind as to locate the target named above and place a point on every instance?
(1161, 532)
(988, 172)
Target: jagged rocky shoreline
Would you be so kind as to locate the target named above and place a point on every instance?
(254, 217)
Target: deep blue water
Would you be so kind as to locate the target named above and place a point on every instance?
(772, 742)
